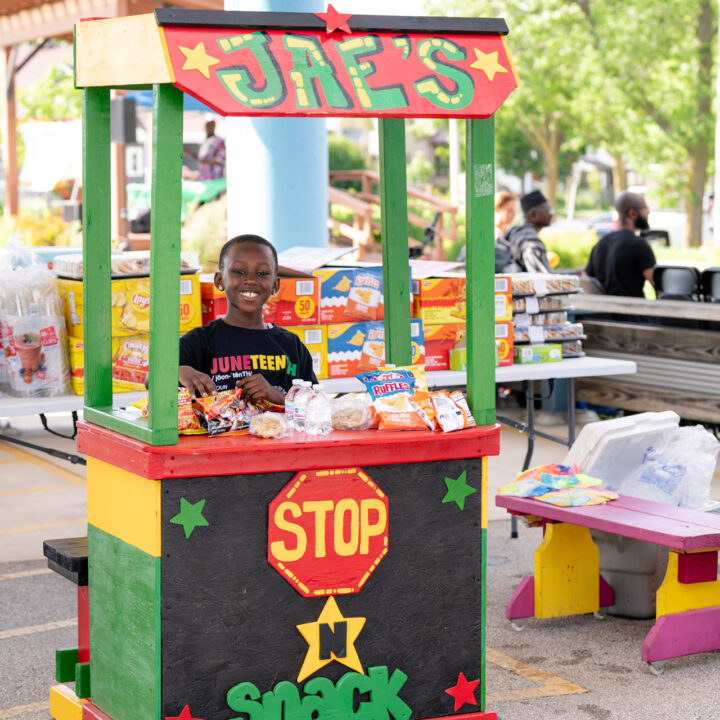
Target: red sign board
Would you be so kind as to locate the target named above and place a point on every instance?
(309, 72)
(327, 531)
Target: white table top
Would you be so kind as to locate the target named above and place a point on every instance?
(19, 406)
(570, 368)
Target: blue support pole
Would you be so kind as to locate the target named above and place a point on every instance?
(277, 168)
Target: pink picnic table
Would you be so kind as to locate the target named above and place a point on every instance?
(567, 580)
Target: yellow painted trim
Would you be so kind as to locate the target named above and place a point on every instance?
(124, 505)
(28, 457)
(120, 51)
(65, 704)
(567, 572)
(512, 64)
(674, 596)
(166, 53)
(548, 685)
(484, 493)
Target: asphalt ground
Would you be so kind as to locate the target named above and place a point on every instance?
(578, 667)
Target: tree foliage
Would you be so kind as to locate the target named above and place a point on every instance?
(635, 77)
(54, 97)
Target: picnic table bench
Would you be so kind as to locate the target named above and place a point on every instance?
(567, 580)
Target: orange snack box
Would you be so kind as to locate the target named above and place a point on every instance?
(439, 300)
(504, 337)
(439, 341)
(296, 303)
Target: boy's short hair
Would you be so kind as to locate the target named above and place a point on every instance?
(239, 239)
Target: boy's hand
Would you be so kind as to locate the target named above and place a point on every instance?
(198, 383)
(256, 388)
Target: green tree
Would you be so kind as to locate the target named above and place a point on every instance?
(657, 58)
(52, 98)
(547, 41)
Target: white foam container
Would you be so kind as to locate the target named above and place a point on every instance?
(609, 450)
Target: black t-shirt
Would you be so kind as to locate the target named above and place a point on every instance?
(619, 260)
(227, 353)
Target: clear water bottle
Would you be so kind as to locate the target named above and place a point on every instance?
(318, 416)
(289, 402)
(300, 402)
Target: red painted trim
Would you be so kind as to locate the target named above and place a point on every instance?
(90, 712)
(697, 567)
(83, 624)
(202, 456)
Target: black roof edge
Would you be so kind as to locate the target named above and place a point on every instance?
(169, 17)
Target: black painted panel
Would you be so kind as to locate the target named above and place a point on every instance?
(229, 617)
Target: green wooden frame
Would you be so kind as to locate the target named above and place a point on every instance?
(161, 428)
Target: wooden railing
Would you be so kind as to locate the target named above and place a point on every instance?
(361, 231)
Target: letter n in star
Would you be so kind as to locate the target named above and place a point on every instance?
(331, 637)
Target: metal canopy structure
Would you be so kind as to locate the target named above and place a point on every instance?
(30, 20)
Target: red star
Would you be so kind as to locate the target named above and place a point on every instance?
(463, 692)
(334, 20)
(184, 715)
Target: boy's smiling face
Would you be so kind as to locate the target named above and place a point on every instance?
(248, 277)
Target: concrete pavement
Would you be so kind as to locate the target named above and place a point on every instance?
(574, 668)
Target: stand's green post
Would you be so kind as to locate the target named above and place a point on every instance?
(96, 248)
(165, 226)
(396, 263)
(480, 273)
(480, 269)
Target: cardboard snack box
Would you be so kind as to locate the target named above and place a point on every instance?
(504, 338)
(316, 341)
(439, 300)
(130, 305)
(130, 363)
(296, 303)
(360, 347)
(530, 354)
(439, 341)
(350, 293)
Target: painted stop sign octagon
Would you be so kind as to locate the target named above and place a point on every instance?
(328, 530)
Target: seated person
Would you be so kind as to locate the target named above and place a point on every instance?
(241, 349)
(622, 261)
(520, 249)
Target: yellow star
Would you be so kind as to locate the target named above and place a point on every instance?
(488, 63)
(198, 59)
(331, 637)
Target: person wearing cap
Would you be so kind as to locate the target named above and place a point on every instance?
(520, 249)
(621, 261)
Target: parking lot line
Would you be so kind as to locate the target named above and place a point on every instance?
(25, 573)
(32, 629)
(547, 684)
(20, 710)
(24, 491)
(45, 526)
(24, 456)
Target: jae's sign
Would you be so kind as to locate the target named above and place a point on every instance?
(327, 531)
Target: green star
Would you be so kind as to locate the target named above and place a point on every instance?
(458, 490)
(190, 516)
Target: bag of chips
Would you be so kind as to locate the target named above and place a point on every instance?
(453, 412)
(390, 391)
(188, 422)
(223, 412)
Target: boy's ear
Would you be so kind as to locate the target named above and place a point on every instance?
(276, 285)
(218, 281)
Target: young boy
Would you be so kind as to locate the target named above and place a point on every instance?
(241, 349)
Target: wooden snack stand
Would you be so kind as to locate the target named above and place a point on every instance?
(329, 577)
